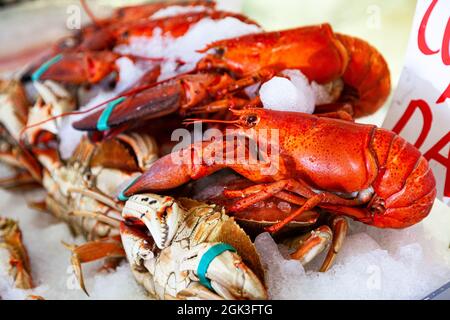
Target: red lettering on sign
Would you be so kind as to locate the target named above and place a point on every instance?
(427, 116)
(445, 95)
(434, 153)
(422, 42)
(446, 45)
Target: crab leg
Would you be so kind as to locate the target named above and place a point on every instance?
(93, 251)
(21, 178)
(313, 244)
(339, 226)
(318, 240)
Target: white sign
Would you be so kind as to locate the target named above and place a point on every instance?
(420, 111)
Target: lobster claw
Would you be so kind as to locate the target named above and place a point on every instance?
(77, 68)
(174, 170)
(174, 95)
(147, 104)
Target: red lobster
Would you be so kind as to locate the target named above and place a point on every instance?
(316, 51)
(91, 59)
(361, 171)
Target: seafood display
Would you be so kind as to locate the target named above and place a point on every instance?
(185, 217)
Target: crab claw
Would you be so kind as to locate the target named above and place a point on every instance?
(77, 68)
(161, 215)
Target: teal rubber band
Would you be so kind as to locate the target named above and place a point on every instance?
(102, 124)
(39, 72)
(206, 260)
(121, 196)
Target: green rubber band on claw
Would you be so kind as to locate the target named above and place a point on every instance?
(122, 196)
(102, 124)
(206, 260)
(42, 69)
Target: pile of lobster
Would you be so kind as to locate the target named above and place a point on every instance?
(184, 219)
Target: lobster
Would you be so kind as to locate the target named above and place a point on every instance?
(360, 171)
(319, 53)
(101, 34)
(90, 62)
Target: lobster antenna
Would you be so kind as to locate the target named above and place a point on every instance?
(194, 121)
(89, 12)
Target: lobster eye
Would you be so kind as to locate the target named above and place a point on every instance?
(251, 120)
(219, 51)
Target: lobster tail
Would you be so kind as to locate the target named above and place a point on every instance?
(367, 77)
(405, 187)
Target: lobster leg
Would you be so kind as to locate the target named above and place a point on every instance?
(216, 106)
(333, 107)
(256, 193)
(340, 114)
(259, 76)
(309, 204)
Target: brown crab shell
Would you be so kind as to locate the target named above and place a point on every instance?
(110, 153)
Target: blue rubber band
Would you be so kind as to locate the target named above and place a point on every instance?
(102, 124)
(39, 72)
(121, 196)
(206, 260)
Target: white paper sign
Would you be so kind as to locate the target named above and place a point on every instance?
(420, 111)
